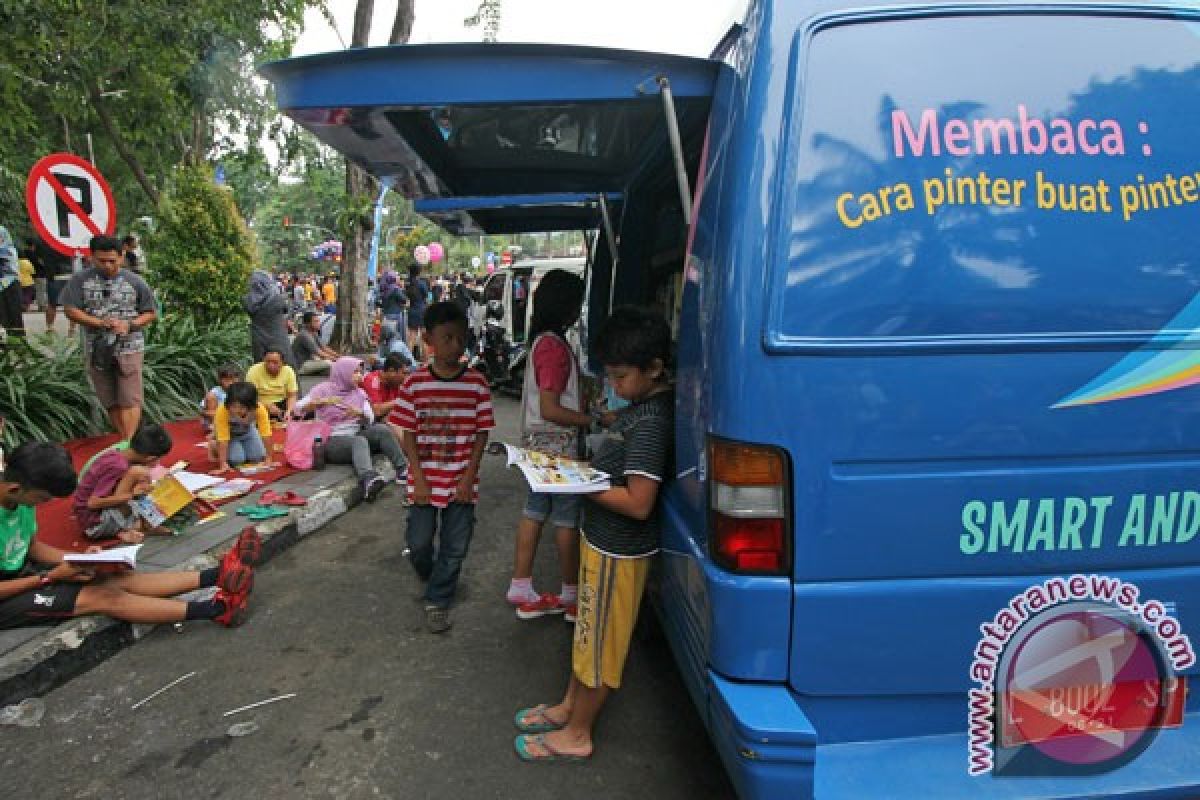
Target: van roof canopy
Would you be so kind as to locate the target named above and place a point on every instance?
(499, 138)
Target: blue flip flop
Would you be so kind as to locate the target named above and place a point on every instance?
(521, 745)
(545, 726)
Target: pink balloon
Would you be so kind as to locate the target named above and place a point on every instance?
(436, 253)
(422, 255)
(491, 268)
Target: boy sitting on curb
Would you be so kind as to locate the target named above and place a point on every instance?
(37, 587)
(112, 480)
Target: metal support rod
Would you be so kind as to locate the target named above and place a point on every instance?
(685, 190)
(612, 249)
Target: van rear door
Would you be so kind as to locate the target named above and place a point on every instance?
(983, 310)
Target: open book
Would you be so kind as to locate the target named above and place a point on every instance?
(121, 556)
(168, 497)
(556, 474)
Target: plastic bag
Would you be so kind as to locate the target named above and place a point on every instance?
(298, 451)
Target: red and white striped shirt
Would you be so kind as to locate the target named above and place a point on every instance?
(446, 414)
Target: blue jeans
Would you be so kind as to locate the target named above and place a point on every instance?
(247, 447)
(457, 526)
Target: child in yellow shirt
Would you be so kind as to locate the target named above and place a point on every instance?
(242, 426)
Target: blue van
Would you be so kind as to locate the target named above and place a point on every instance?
(934, 270)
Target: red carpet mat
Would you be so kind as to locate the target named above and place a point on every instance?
(56, 522)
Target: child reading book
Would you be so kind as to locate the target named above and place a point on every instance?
(37, 587)
(117, 476)
(241, 426)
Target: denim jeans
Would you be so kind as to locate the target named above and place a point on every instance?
(357, 450)
(247, 447)
(457, 526)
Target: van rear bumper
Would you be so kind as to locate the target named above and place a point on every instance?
(769, 748)
(764, 738)
(936, 767)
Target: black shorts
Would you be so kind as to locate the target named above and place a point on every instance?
(45, 605)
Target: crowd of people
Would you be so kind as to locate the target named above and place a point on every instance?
(421, 406)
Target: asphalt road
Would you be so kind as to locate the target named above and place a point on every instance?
(382, 708)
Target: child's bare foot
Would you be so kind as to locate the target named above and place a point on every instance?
(131, 537)
(553, 746)
(541, 718)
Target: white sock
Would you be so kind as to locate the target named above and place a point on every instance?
(569, 594)
(520, 590)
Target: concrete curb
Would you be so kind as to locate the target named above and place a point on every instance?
(55, 655)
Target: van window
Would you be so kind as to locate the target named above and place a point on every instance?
(990, 177)
(494, 288)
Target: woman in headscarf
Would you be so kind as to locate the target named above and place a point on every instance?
(11, 317)
(341, 403)
(268, 309)
(392, 300)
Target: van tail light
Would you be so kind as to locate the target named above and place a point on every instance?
(748, 508)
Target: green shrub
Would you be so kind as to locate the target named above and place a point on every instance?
(46, 395)
(201, 252)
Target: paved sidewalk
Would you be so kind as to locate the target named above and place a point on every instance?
(34, 660)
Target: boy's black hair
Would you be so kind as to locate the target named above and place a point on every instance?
(151, 440)
(442, 313)
(634, 337)
(276, 351)
(243, 393)
(556, 302)
(229, 370)
(41, 465)
(307, 317)
(105, 243)
(396, 361)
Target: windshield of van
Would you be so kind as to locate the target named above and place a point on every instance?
(992, 177)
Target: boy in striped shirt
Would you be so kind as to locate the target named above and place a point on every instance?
(443, 414)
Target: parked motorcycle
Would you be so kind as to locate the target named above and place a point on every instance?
(500, 361)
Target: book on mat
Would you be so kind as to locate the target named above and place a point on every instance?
(226, 490)
(166, 499)
(556, 474)
(121, 556)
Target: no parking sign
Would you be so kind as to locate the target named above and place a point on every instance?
(69, 202)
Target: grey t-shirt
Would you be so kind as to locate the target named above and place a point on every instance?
(304, 348)
(123, 297)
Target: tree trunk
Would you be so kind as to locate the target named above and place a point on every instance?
(127, 155)
(352, 331)
(403, 24)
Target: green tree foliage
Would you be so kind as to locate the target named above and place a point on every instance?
(157, 83)
(44, 398)
(203, 253)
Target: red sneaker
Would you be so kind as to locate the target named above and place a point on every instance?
(546, 604)
(247, 549)
(235, 577)
(235, 608)
(570, 612)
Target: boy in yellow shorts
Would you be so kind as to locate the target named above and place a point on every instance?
(621, 532)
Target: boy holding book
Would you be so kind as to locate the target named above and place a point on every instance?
(112, 480)
(443, 414)
(621, 532)
(37, 587)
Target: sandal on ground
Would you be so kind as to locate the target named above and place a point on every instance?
(548, 754)
(259, 513)
(543, 723)
(272, 497)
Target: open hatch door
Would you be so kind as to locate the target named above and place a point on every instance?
(501, 138)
